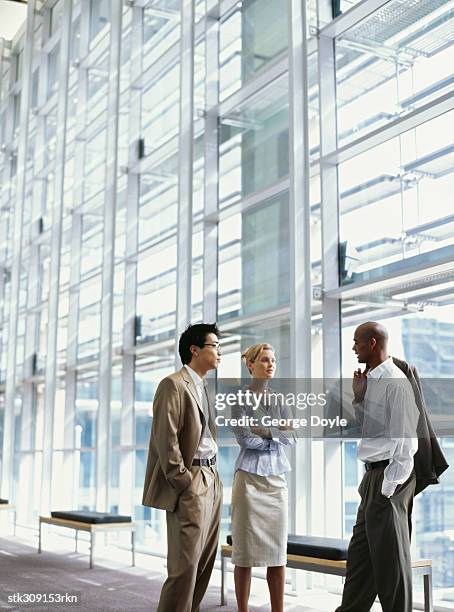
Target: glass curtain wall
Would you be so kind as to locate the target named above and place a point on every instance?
(148, 161)
(387, 147)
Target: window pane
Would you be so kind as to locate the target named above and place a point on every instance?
(161, 29)
(248, 44)
(254, 259)
(99, 16)
(156, 293)
(56, 14)
(393, 62)
(253, 144)
(160, 110)
(399, 194)
(53, 67)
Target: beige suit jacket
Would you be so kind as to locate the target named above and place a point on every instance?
(176, 432)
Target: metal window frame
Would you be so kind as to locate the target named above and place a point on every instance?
(10, 388)
(55, 259)
(351, 18)
(331, 307)
(300, 260)
(185, 170)
(70, 465)
(127, 415)
(104, 423)
(211, 163)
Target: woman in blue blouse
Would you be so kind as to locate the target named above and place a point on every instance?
(259, 493)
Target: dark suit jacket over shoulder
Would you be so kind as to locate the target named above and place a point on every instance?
(430, 461)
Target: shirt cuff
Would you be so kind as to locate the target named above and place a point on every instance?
(273, 445)
(388, 488)
(275, 433)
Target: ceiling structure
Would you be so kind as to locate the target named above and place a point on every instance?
(12, 16)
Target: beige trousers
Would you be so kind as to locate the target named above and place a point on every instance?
(192, 540)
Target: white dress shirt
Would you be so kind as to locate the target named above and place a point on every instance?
(207, 447)
(389, 417)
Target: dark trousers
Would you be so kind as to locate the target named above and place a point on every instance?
(378, 561)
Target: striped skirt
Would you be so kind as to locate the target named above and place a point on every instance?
(259, 520)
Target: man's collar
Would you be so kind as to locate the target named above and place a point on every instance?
(195, 377)
(381, 369)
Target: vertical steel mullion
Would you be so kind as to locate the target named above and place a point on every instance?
(127, 438)
(104, 425)
(71, 482)
(38, 202)
(331, 320)
(324, 12)
(2, 49)
(185, 171)
(55, 257)
(25, 510)
(75, 265)
(39, 189)
(5, 204)
(10, 391)
(300, 256)
(40, 184)
(211, 174)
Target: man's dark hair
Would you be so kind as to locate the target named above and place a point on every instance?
(194, 335)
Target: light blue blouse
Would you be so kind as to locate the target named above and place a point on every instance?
(263, 456)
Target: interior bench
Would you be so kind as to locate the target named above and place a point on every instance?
(325, 556)
(93, 522)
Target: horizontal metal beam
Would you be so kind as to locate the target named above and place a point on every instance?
(233, 324)
(163, 152)
(252, 87)
(433, 263)
(352, 18)
(167, 60)
(243, 204)
(421, 115)
(227, 8)
(146, 348)
(256, 84)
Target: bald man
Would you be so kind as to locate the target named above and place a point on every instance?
(378, 561)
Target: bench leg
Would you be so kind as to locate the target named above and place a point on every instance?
(223, 581)
(14, 524)
(77, 538)
(39, 536)
(92, 542)
(133, 547)
(428, 601)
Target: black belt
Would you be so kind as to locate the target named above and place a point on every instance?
(373, 465)
(207, 462)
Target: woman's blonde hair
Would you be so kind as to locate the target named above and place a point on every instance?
(253, 352)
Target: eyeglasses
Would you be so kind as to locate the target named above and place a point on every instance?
(216, 345)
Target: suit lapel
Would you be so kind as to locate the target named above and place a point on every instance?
(192, 389)
(212, 422)
(191, 386)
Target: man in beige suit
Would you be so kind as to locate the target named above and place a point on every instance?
(181, 475)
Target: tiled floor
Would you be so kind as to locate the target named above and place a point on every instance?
(113, 584)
